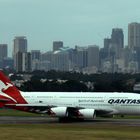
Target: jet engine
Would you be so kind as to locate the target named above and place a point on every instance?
(58, 111)
(87, 113)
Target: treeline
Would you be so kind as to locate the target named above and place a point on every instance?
(78, 82)
(68, 86)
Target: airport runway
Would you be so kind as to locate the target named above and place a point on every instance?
(46, 120)
(26, 120)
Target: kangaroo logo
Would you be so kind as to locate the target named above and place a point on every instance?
(4, 87)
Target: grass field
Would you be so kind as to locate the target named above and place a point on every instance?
(68, 132)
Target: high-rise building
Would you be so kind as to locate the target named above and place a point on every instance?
(46, 61)
(23, 62)
(57, 45)
(35, 54)
(3, 51)
(134, 35)
(93, 56)
(107, 42)
(103, 56)
(35, 59)
(18, 61)
(20, 47)
(80, 57)
(60, 61)
(27, 62)
(20, 44)
(117, 37)
(117, 42)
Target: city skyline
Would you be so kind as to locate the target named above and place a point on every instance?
(113, 57)
(74, 22)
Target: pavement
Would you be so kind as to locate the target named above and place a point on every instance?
(26, 120)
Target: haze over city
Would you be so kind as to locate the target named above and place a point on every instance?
(80, 22)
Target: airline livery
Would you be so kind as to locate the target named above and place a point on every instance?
(67, 104)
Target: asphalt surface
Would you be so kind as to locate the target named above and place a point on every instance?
(27, 120)
(46, 120)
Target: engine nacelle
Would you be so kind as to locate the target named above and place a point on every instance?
(87, 113)
(58, 111)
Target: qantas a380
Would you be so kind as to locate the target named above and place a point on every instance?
(68, 105)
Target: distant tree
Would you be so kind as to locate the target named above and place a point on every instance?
(102, 82)
(74, 86)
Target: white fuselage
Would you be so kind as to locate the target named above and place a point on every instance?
(118, 103)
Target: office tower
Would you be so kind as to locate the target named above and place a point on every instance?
(35, 59)
(20, 47)
(117, 42)
(103, 56)
(27, 60)
(134, 35)
(60, 61)
(47, 56)
(107, 42)
(117, 37)
(80, 57)
(93, 56)
(20, 44)
(57, 45)
(18, 61)
(35, 54)
(46, 61)
(3, 51)
(105, 51)
(23, 62)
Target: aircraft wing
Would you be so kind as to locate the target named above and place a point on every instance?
(46, 109)
(29, 105)
(33, 108)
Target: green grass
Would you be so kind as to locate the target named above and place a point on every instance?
(68, 132)
(126, 117)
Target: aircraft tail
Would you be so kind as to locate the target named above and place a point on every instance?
(8, 92)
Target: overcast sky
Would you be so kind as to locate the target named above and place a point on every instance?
(76, 22)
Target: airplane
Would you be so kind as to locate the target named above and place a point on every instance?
(82, 105)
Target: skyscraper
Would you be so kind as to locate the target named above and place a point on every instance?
(57, 45)
(93, 56)
(18, 59)
(134, 35)
(20, 47)
(107, 42)
(23, 62)
(117, 37)
(81, 57)
(35, 59)
(3, 51)
(35, 54)
(20, 44)
(60, 61)
(117, 42)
